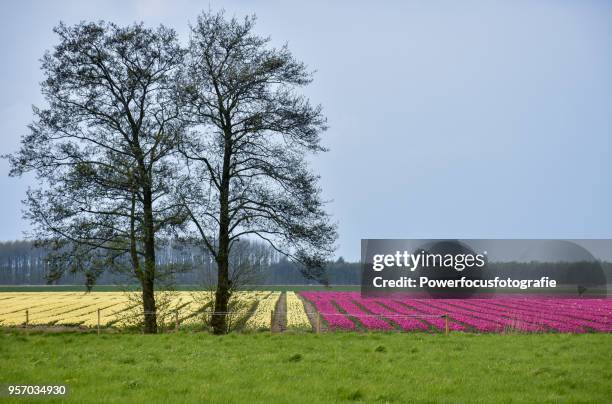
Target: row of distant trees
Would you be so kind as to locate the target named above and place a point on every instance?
(22, 263)
(145, 139)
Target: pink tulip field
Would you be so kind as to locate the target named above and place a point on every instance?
(349, 311)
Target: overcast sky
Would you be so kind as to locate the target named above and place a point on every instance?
(480, 119)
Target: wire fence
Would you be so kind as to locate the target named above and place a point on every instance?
(250, 318)
(174, 319)
(268, 310)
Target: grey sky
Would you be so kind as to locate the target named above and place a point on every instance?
(479, 119)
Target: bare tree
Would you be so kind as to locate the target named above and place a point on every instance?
(250, 135)
(103, 150)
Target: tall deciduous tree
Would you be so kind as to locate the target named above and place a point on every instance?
(251, 134)
(103, 149)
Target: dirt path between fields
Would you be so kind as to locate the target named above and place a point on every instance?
(279, 324)
(312, 313)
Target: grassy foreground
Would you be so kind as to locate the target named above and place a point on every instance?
(374, 367)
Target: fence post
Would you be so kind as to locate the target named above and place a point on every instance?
(446, 324)
(176, 320)
(98, 321)
(27, 319)
(318, 323)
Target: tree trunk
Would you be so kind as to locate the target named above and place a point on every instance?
(148, 304)
(222, 295)
(148, 283)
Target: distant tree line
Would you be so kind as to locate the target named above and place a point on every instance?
(186, 263)
(579, 272)
(22, 263)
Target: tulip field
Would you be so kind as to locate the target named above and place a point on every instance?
(119, 309)
(328, 311)
(296, 315)
(349, 311)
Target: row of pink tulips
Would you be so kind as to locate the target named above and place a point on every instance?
(347, 310)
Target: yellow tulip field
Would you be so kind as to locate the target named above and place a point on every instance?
(296, 315)
(249, 310)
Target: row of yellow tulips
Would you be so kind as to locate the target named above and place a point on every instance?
(120, 309)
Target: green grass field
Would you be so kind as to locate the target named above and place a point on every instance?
(369, 367)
